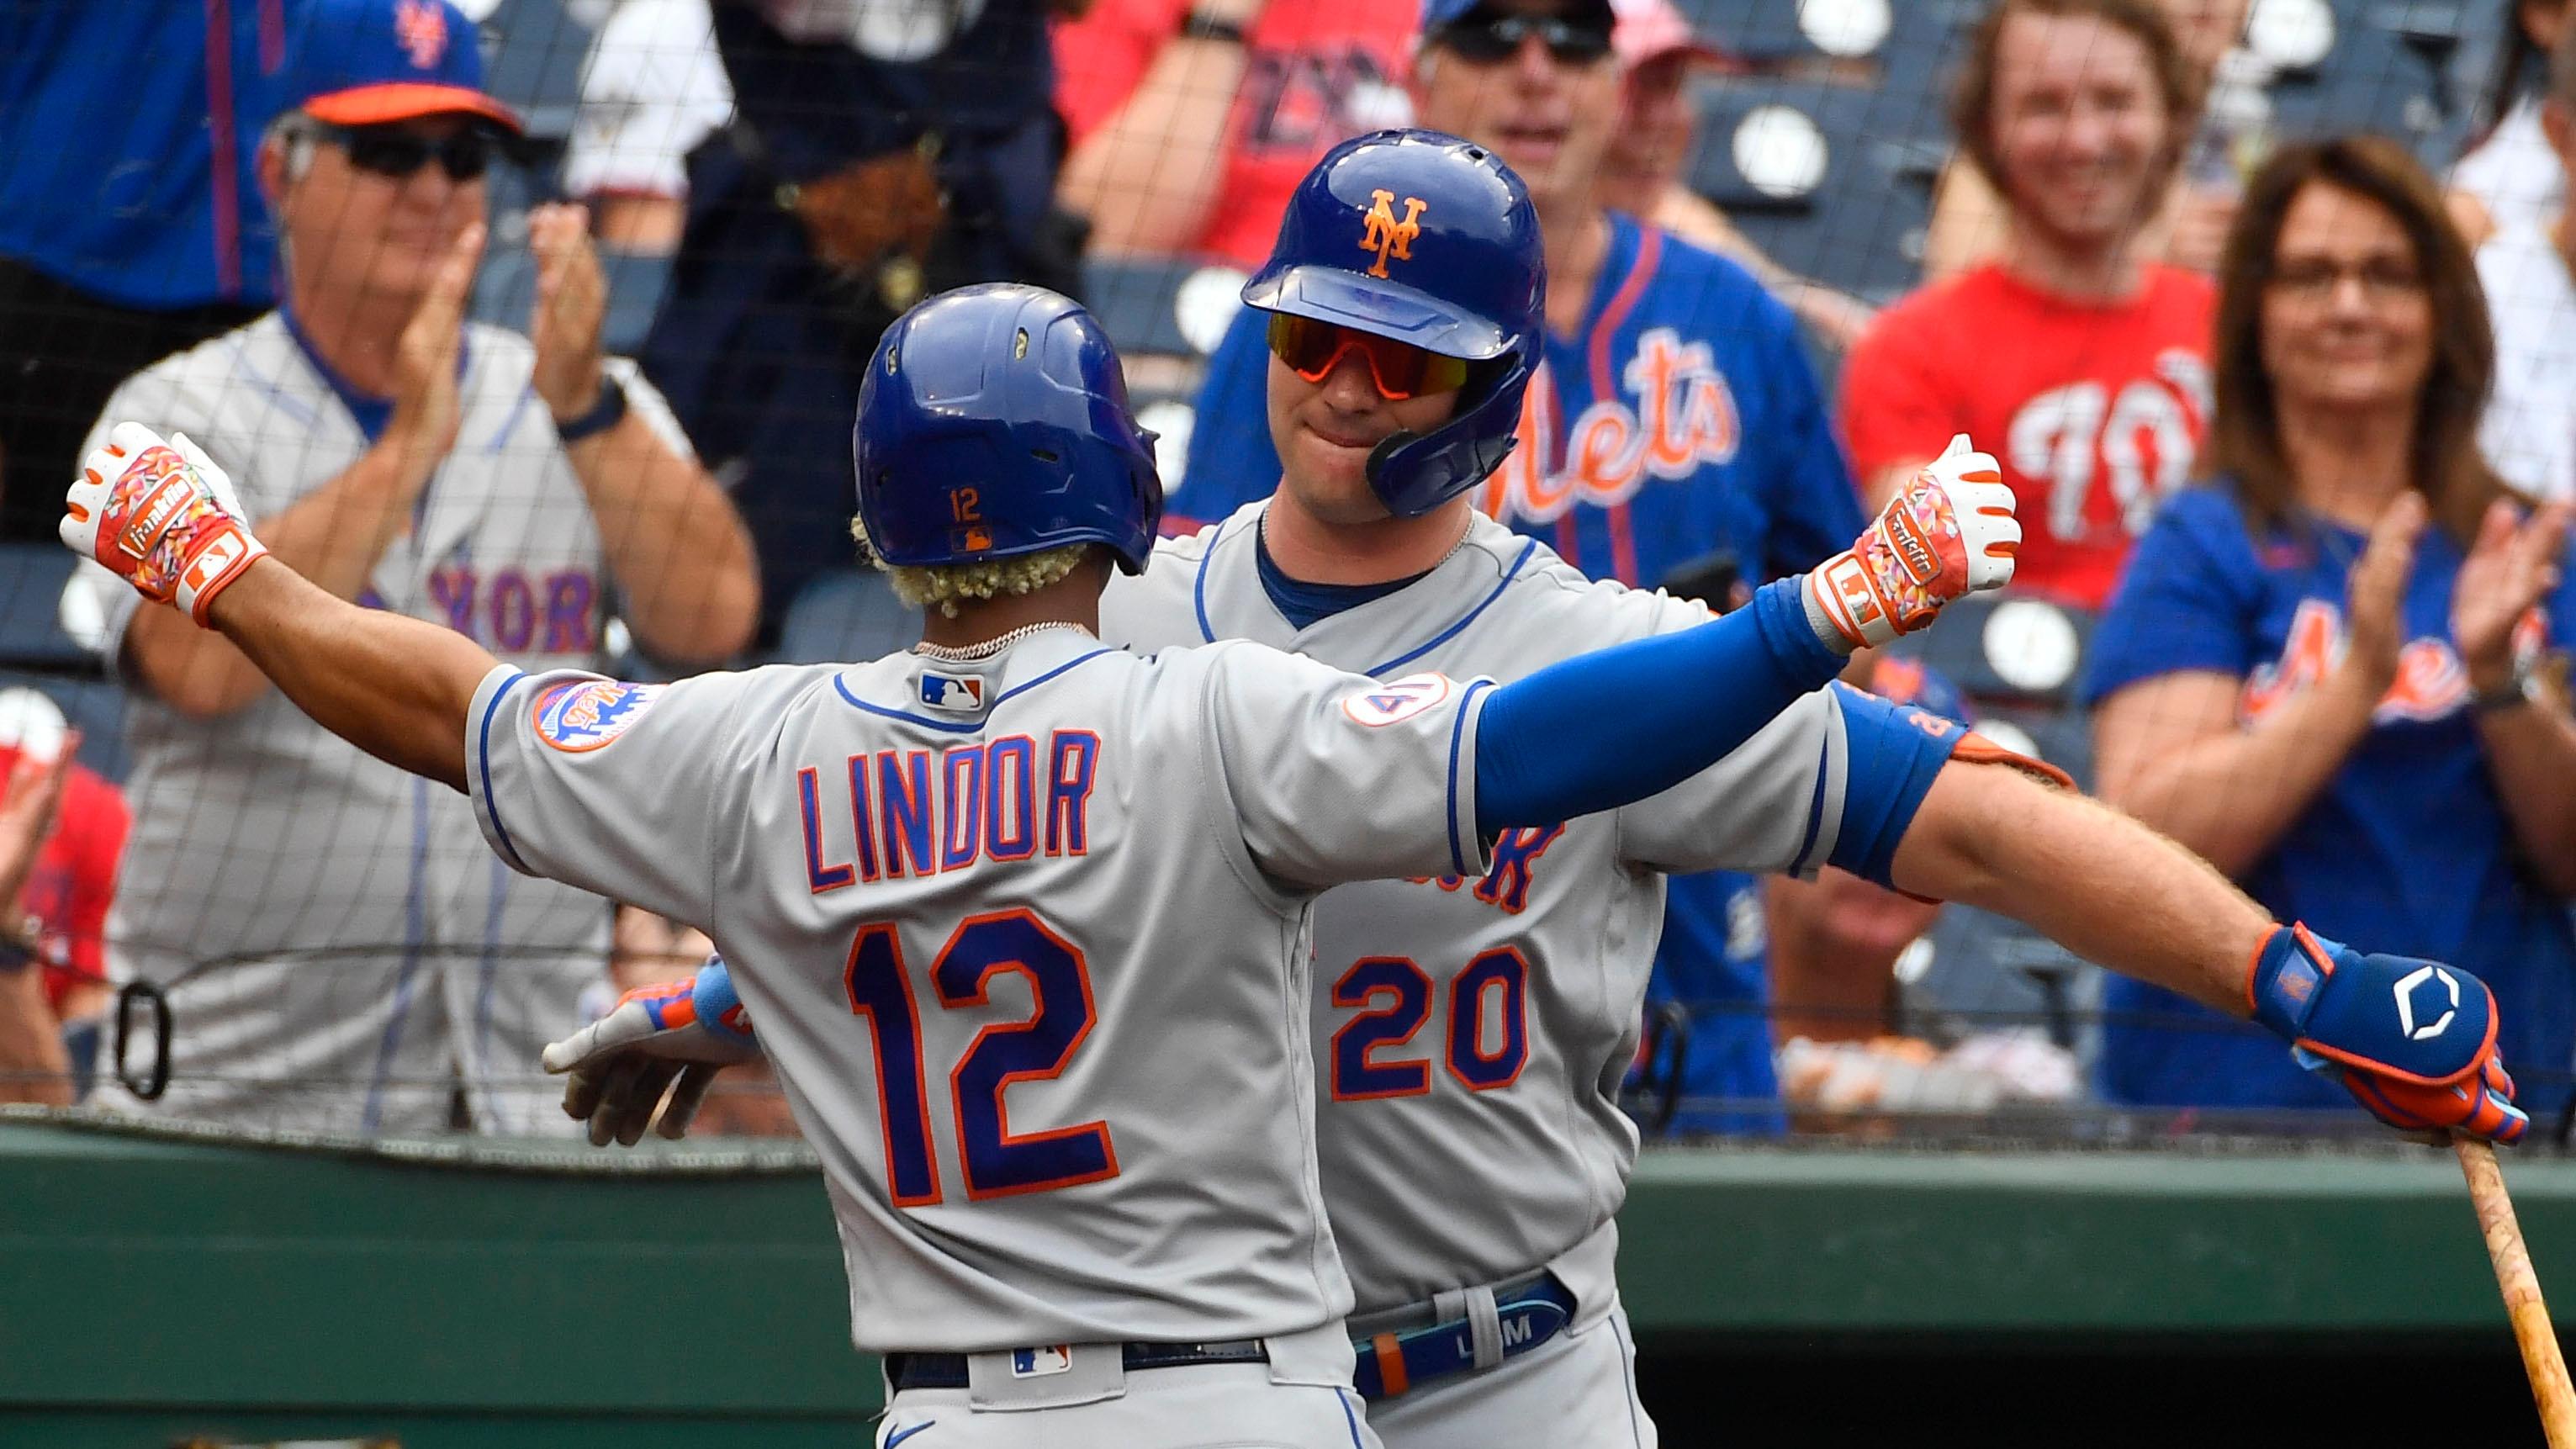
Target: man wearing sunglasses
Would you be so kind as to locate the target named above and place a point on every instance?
(377, 972)
(1675, 434)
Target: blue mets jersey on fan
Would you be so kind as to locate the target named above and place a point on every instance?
(2406, 850)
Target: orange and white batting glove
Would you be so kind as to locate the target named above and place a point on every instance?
(162, 515)
(1949, 531)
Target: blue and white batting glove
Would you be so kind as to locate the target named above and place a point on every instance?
(2413, 1041)
(671, 1037)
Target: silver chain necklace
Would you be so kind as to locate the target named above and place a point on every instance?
(961, 654)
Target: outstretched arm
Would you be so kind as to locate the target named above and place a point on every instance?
(2413, 1041)
(1682, 701)
(2092, 879)
(393, 686)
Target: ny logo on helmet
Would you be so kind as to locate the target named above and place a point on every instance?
(2405, 989)
(1387, 236)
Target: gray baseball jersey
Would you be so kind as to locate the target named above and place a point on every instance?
(1026, 939)
(1471, 1029)
(352, 954)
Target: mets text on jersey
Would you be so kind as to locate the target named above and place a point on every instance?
(923, 812)
(2431, 682)
(1685, 419)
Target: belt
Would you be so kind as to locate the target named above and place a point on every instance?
(1529, 1312)
(948, 1370)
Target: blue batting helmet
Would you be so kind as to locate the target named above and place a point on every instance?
(1428, 239)
(994, 422)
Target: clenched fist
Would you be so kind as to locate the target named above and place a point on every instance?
(1949, 531)
(162, 516)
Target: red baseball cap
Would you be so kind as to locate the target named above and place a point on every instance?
(368, 62)
(1652, 29)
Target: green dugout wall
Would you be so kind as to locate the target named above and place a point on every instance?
(158, 1289)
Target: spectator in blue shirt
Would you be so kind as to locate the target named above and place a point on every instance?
(131, 225)
(2330, 671)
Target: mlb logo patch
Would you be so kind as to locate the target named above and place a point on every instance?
(952, 693)
(580, 717)
(1398, 700)
(1038, 1363)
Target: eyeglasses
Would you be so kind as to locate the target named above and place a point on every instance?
(1400, 370)
(1485, 39)
(2317, 279)
(398, 153)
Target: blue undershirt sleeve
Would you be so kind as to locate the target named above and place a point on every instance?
(1651, 713)
(1892, 753)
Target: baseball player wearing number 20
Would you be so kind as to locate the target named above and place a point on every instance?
(1070, 882)
(1470, 1028)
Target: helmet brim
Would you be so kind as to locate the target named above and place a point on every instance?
(1385, 308)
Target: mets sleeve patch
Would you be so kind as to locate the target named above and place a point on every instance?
(1398, 700)
(586, 714)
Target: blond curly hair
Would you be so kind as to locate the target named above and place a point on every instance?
(1000, 578)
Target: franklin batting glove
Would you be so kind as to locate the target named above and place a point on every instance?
(161, 516)
(1949, 531)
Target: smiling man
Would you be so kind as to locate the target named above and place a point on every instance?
(1672, 433)
(2093, 387)
(337, 949)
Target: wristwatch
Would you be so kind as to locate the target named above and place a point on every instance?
(22, 939)
(2521, 688)
(1202, 26)
(606, 413)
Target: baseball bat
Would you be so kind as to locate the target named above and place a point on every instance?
(2532, 1331)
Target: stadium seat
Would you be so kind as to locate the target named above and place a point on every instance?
(2008, 648)
(846, 617)
(1166, 306)
(2384, 73)
(95, 707)
(507, 283)
(32, 576)
(1832, 181)
(636, 285)
(1767, 32)
(2062, 737)
(535, 50)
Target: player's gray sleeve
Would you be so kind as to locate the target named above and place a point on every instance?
(1335, 777)
(612, 787)
(1775, 804)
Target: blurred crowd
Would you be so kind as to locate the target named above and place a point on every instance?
(2291, 417)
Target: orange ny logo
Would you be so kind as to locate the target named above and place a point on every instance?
(1387, 236)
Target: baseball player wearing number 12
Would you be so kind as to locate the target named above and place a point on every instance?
(1068, 881)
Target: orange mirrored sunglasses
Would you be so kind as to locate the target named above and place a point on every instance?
(1401, 370)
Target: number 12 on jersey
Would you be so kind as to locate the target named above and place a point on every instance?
(997, 1162)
